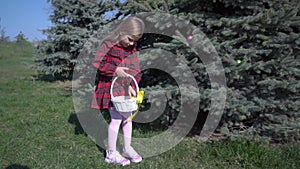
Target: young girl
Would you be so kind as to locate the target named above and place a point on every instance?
(117, 57)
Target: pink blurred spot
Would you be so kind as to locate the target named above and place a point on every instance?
(190, 37)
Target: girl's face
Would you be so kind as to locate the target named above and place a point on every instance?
(126, 41)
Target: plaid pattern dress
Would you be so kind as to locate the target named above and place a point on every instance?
(108, 58)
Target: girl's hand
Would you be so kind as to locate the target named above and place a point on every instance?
(131, 91)
(120, 71)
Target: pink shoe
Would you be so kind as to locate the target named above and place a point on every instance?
(115, 158)
(132, 154)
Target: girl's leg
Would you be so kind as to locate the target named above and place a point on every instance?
(112, 155)
(127, 133)
(127, 128)
(113, 129)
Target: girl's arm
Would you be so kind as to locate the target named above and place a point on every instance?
(134, 70)
(102, 63)
(134, 66)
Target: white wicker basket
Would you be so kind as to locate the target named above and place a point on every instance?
(124, 103)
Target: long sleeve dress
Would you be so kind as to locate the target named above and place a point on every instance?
(108, 58)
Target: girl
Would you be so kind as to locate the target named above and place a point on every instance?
(117, 57)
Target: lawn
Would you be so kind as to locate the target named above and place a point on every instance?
(37, 130)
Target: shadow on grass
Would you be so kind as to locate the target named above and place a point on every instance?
(159, 125)
(94, 124)
(17, 166)
(90, 124)
(51, 78)
(73, 119)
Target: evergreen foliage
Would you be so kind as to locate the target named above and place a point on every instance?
(21, 38)
(258, 42)
(3, 37)
(74, 21)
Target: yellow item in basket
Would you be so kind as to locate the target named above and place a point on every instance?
(139, 100)
(140, 96)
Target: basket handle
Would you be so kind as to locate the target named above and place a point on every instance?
(112, 85)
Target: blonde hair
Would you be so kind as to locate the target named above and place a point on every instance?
(131, 26)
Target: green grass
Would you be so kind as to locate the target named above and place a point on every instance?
(36, 132)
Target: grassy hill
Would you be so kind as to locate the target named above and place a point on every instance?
(37, 131)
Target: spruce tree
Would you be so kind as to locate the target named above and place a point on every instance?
(21, 38)
(258, 42)
(3, 36)
(73, 22)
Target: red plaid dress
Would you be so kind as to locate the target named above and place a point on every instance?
(106, 61)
